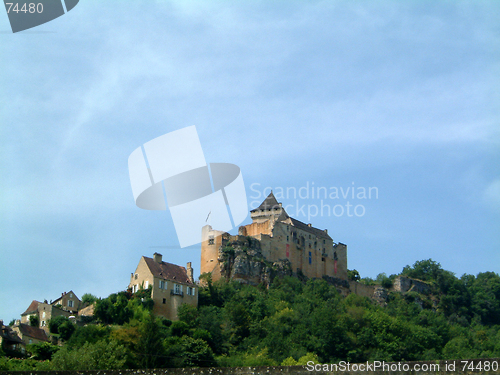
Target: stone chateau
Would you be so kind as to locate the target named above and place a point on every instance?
(310, 251)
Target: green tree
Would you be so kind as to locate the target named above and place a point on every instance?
(66, 329)
(42, 351)
(353, 275)
(150, 346)
(89, 299)
(99, 356)
(56, 322)
(34, 321)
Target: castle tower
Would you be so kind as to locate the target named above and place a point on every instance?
(211, 240)
(270, 209)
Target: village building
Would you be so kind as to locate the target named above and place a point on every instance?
(67, 305)
(171, 285)
(9, 339)
(29, 334)
(68, 302)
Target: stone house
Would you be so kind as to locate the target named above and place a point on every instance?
(171, 285)
(311, 251)
(68, 302)
(9, 339)
(45, 311)
(29, 334)
(66, 305)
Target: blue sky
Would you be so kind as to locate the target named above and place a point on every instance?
(400, 96)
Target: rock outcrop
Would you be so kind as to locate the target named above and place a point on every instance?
(241, 259)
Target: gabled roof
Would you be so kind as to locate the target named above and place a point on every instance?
(167, 271)
(269, 203)
(33, 307)
(33, 332)
(317, 232)
(74, 296)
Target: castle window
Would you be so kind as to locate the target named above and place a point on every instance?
(323, 242)
(211, 240)
(309, 236)
(164, 300)
(310, 258)
(287, 239)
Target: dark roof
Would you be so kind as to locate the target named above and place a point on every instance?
(32, 308)
(9, 335)
(168, 271)
(33, 332)
(317, 232)
(269, 203)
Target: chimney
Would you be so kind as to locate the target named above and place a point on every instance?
(190, 272)
(309, 225)
(157, 257)
(1, 323)
(18, 322)
(326, 231)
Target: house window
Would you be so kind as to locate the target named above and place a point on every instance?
(163, 284)
(323, 242)
(147, 284)
(43, 323)
(211, 240)
(287, 239)
(164, 300)
(189, 290)
(31, 341)
(70, 303)
(43, 315)
(177, 289)
(310, 258)
(136, 276)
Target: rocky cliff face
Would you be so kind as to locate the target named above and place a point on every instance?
(241, 259)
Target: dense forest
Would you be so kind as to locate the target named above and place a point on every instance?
(289, 323)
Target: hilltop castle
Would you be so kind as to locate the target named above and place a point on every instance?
(309, 250)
